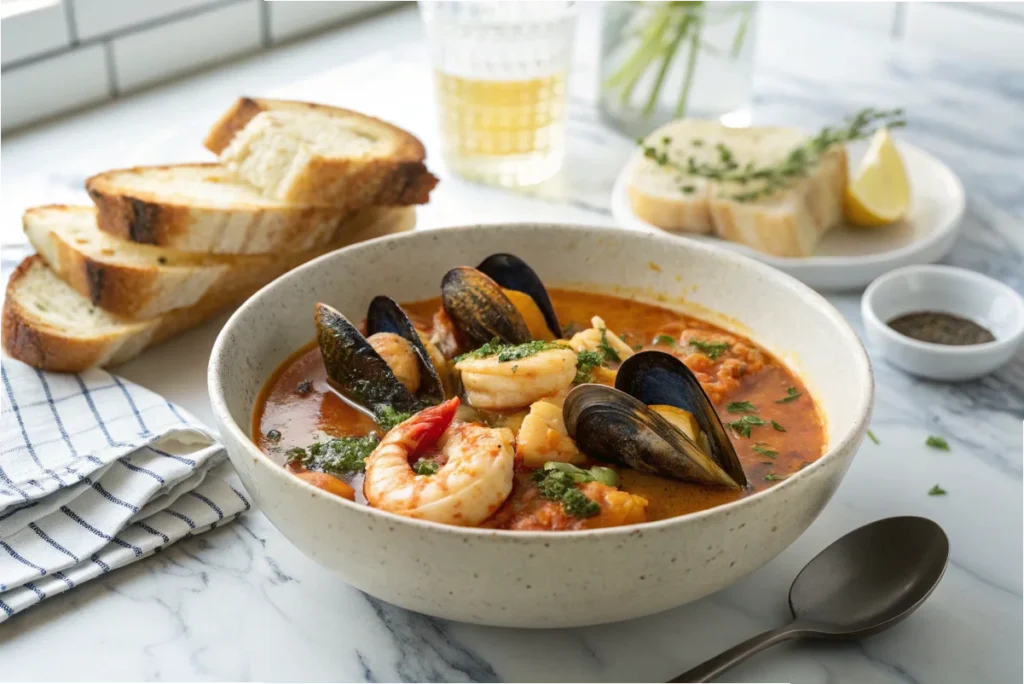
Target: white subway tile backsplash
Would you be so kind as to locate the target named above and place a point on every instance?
(185, 45)
(39, 29)
(100, 17)
(965, 31)
(291, 19)
(52, 86)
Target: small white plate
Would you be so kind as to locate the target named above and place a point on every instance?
(850, 257)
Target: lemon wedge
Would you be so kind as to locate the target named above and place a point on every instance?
(879, 193)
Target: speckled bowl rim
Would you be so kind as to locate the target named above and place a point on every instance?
(796, 288)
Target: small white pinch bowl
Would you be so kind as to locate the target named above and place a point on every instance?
(951, 290)
(546, 579)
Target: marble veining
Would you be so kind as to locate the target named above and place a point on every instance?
(241, 603)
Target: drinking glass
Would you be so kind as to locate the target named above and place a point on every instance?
(500, 72)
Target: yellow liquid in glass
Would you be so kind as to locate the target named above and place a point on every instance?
(509, 132)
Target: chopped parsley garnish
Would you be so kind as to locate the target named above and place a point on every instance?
(688, 189)
(666, 340)
(791, 395)
(772, 477)
(871, 436)
(710, 349)
(586, 362)
(605, 476)
(740, 407)
(778, 427)
(274, 435)
(509, 352)
(742, 425)
(426, 467)
(387, 417)
(341, 456)
(607, 349)
(937, 491)
(765, 450)
(936, 442)
(304, 387)
(560, 486)
(557, 481)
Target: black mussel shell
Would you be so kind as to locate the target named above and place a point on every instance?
(385, 315)
(480, 310)
(355, 367)
(657, 378)
(512, 273)
(611, 426)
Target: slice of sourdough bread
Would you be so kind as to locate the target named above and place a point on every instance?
(202, 208)
(141, 281)
(48, 324)
(788, 222)
(319, 155)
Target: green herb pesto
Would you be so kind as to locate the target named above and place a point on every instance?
(560, 485)
(509, 352)
(426, 467)
(710, 349)
(387, 417)
(586, 362)
(341, 456)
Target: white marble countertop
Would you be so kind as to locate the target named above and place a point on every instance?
(241, 603)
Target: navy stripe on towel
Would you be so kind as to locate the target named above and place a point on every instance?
(180, 516)
(51, 542)
(16, 556)
(154, 532)
(206, 500)
(99, 533)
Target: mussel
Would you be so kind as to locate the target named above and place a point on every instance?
(361, 373)
(656, 419)
(502, 298)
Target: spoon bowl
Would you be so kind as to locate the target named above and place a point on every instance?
(863, 583)
(871, 578)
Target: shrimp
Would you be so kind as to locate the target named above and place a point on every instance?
(599, 337)
(472, 484)
(493, 384)
(400, 357)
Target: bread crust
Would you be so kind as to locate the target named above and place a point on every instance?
(155, 219)
(402, 179)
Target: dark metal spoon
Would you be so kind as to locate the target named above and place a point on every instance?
(862, 584)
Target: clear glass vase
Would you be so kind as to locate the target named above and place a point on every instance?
(662, 61)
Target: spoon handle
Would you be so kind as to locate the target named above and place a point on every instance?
(738, 653)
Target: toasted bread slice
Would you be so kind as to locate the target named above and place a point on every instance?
(319, 155)
(788, 222)
(142, 281)
(202, 208)
(48, 324)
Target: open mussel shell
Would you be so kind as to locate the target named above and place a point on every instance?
(617, 425)
(479, 309)
(385, 315)
(512, 273)
(355, 368)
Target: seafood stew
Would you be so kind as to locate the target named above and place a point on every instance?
(506, 405)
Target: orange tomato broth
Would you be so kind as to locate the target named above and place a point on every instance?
(744, 373)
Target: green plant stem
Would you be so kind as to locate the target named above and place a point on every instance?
(691, 67)
(650, 52)
(741, 33)
(650, 41)
(669, 55)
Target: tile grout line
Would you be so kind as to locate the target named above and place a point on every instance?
(70, 22)
(123, 32)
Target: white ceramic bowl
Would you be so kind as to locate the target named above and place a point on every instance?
(946, 289)
(545, 579)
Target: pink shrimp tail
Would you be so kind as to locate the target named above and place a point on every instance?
(424, 429)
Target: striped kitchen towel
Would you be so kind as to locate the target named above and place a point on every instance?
(95, 473)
